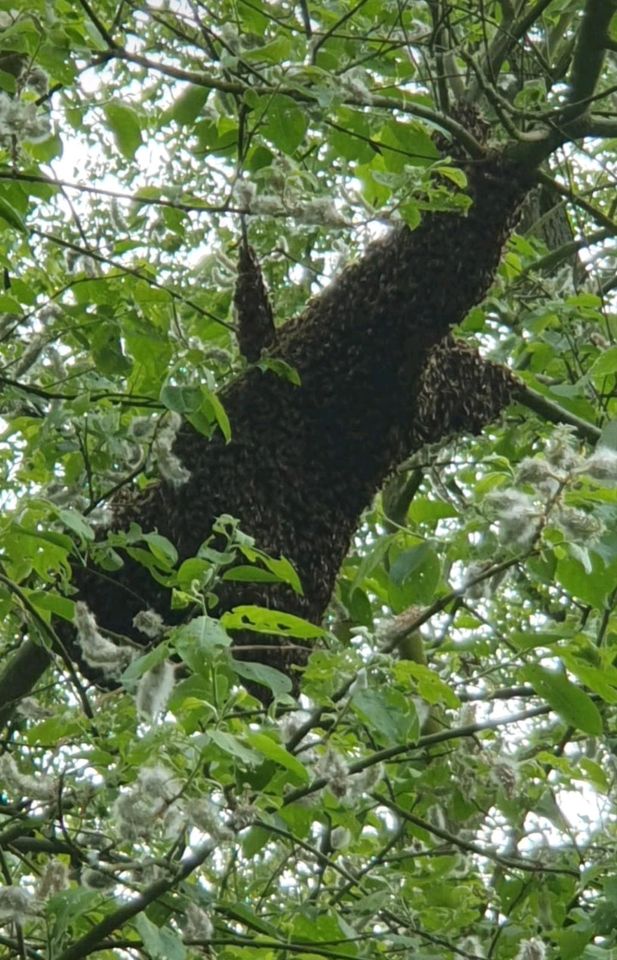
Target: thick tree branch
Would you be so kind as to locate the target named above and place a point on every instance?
(510, 33)
(554, 413)
(572, 122)
(600, 127)
(21, 674)
(453, 371)
(589, 54)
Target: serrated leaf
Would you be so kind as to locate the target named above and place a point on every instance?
(571, 703)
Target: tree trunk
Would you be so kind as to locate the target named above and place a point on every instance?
(304, 461)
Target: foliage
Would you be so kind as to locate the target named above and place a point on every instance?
(445, 788)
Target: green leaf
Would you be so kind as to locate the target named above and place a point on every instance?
(246, 574)
(572, 941)
(124, 124)
(280, 368)
(608, 437)
(285, 122)
(590, 587)
(76, 522)
(411, 214)
(216, 411)
(423, 510)
(456, 175)
(371, 561)
(162, 548)
(262, 620)
(410, 143)
(429, 684)
(595, 774)
(261, 673)
(10, 305)
(181, 399)
(605, 364)
(278, 754)
(253, 840)
(46, 601)
(188, 105)
(12, 217)
(280, 567)
(408, 561)
(571, 703)
(138, 667)
(231, 745)
(161, 943)
(198, 641)
(414, 577)
(388, 713)
(192, 569)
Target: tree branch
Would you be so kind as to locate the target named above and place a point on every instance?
(567, 250)
(100, 26)
(133, 272)
(513, 863)
(572, 122)
(551, 411)
(430, 740)
(577, 201)
(21, 674)
(90, 943)
(400, 103)
(504, 43)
